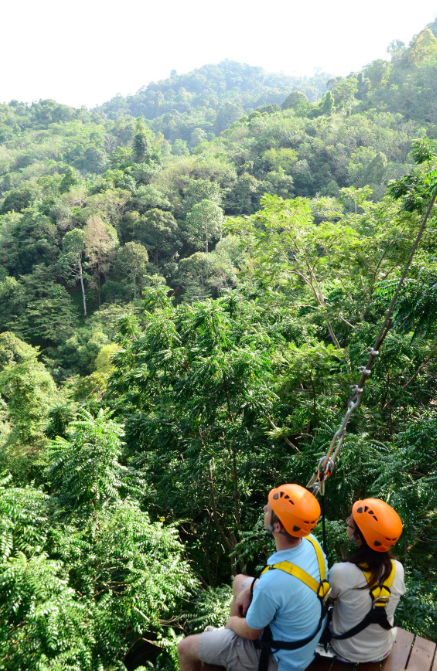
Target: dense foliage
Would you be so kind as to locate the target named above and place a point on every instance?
(185, 300)
(204, 102)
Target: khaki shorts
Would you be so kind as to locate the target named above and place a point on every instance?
(222, 647)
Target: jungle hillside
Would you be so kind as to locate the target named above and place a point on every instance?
(190, 278)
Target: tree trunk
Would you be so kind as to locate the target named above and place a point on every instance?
(98, 285)
(83, 288)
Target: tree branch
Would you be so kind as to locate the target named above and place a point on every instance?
(287, 440)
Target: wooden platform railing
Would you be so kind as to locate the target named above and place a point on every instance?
(410, 653)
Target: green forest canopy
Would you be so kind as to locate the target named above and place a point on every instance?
(189, 279)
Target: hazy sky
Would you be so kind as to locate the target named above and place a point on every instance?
(86, 51)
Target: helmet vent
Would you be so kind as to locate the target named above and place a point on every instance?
(281, 494)
(286, 497)
(306, 522)
(296, 528)
(371, 512)
(275, 496)
(375, 518)
(290, 501)
(377, 543)
(366, 508)
(360, 509)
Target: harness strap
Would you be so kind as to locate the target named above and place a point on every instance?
(380, 595)
(373, 617)
(381, 592)
(298, 572)
(268, 643)
(321, 589)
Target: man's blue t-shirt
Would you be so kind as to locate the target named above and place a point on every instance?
(289, 606)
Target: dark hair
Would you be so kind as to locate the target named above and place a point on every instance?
(378, 563)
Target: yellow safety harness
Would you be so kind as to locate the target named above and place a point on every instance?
(380, 595)
(322, 589)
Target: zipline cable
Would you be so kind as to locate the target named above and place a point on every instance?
(327, 463)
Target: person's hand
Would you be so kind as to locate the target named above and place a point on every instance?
(243, 601)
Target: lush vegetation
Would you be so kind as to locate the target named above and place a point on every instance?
(202, 103)
(185, 300)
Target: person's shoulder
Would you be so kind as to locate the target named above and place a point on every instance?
(271, 584)
(399, 568)
(339, 568)
(343, 571)
(309, 546)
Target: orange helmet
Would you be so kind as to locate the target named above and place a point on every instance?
(380, 525)
(297, 509)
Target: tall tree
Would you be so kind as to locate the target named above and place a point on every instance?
(100, 244)
(159, 232)
(141, 142)
(71, 261)
(204, 223)
(131, 261)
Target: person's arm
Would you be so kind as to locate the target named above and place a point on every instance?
(244, 600)
(241, 628)
(335, 580)
(260, 613)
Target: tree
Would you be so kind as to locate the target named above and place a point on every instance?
(197, 136)
(294, 99)
(95, 160)
(69, 179)
(283, 158)
(91, 583)
(203, 223)
(344, 93)
(327, 104)
(70, 262)
(29, 391)
(17, 200)
(227, 114)
(32, 239)
(92, 449)
(374, 172)
(100, 245)
(131, 261)
(13, 301)
(180, 148)
(202, 275)
(201, 189)
(13, 350)
(158, 231)
(395, 46)
(378, 72)
(141, 142)
(423, 47)
(50, 314)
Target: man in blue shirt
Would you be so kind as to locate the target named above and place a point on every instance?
(285, 603)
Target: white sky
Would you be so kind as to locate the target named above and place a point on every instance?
(83, 52)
